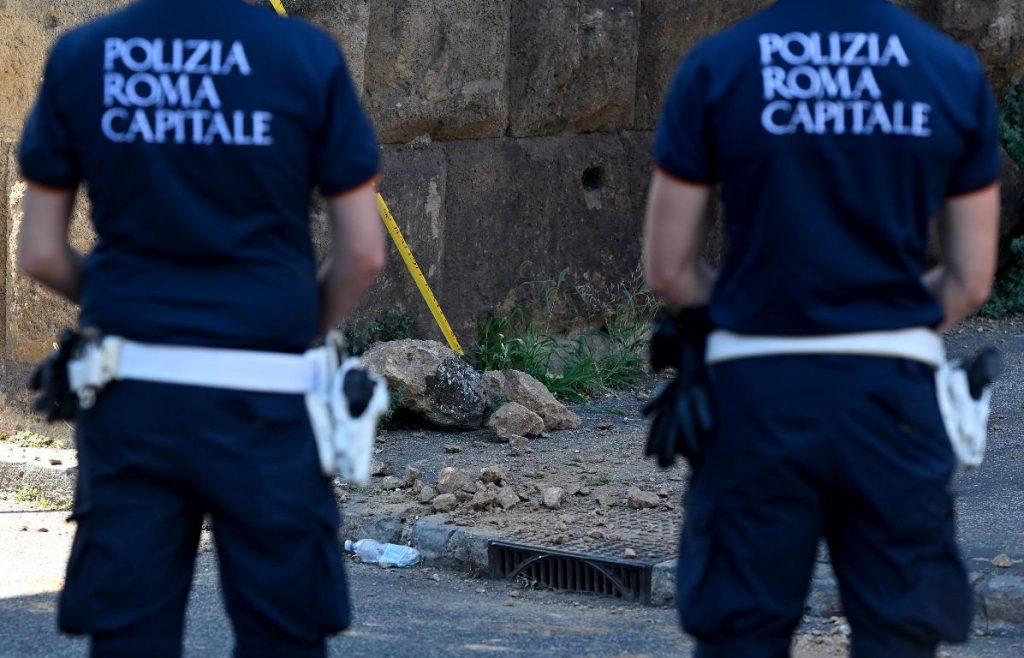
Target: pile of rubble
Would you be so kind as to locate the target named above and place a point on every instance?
(433, 383)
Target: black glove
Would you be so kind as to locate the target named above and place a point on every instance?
(56, 399)
(681, 412)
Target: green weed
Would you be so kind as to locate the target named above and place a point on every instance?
(36, 497)
(393, 324)
(606, 357)
(601, 480)
(29, 439)
(1008, 292)
(1012, 121)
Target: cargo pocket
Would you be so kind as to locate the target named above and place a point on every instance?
(694, 600)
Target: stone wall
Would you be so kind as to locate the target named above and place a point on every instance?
(514, 131)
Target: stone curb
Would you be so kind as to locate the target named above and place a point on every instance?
(999, 596)
(56, 483)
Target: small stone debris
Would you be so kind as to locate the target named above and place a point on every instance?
(553, 497)
(452, 449)
(604, 427)
(1003, 561)
(435, 577)
(55, 462)
(382, 468)
(417, 487)
(507, 499)
(427, 494)
(493, 474)
(445, 503)
(595, 534)
(412, 475)
(518, 444)
(23, 528)
(42, 530)
(558, 540)
(391, 483)
(636, 499)
(629, 552)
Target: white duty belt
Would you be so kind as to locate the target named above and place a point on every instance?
(916, 344)
(964, 417)
(344, 438)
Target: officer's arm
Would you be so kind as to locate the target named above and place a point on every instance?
(357, 253)
(43, 250)
(676, 229)
(969, 238)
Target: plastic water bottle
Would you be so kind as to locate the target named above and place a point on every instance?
(386, 555)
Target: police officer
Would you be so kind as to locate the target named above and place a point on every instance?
(200, 128)
(837, 130)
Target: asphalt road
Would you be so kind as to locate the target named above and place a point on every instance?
(420, 613)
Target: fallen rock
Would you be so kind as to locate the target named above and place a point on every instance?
(519, 444)
(1003, 561)
(412, 475)
(391, 483)
(523, 389)
(417, 487)
(636, 499)
(427, 494)
(507, 499)
(445, 503)
(380, 468)
(484, 500)
(493, 474)
(452, 449)
(513, 419)
(429, 380)
(629, 552)
(451, 480)
(553, 497)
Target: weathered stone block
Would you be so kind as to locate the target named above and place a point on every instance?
(27, 31)
(574, 66)
(348, 21)
(438, 68)
(668, 30)
(35, 316)
(535, 208)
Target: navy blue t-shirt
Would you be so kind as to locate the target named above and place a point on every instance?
(837, 130)
(200, 128)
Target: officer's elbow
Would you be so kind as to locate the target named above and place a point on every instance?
(369, 262)
(36, 259)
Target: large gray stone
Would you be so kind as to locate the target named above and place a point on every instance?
(438, 68)
(574, 66)
(348, 21)
(527, 391)
(532, 209)
(668, 30)
(428, 379)
(35, 317)
(27, 31)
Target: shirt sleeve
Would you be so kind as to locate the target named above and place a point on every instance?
(981, 161)
(47, 154)
(346, 155)
(682, 144)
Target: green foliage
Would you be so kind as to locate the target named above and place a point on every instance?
(394, 324)
(28, 439)
(1012, 127)
(35, 496)
(601, 480)
(610, 357)
(1008, 292)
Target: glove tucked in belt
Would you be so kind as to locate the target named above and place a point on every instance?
(681, 413)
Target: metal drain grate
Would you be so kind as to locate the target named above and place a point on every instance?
(629, 580)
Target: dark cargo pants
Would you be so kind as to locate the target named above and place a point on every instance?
(153, 460)
(848, 448)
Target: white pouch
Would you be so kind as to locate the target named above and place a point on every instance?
(965, 418)
(344, 440)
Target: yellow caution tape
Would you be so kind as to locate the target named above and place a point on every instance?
(410, 261)
(279, 7)
(417, 276)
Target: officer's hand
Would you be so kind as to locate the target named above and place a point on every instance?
(56, 399)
